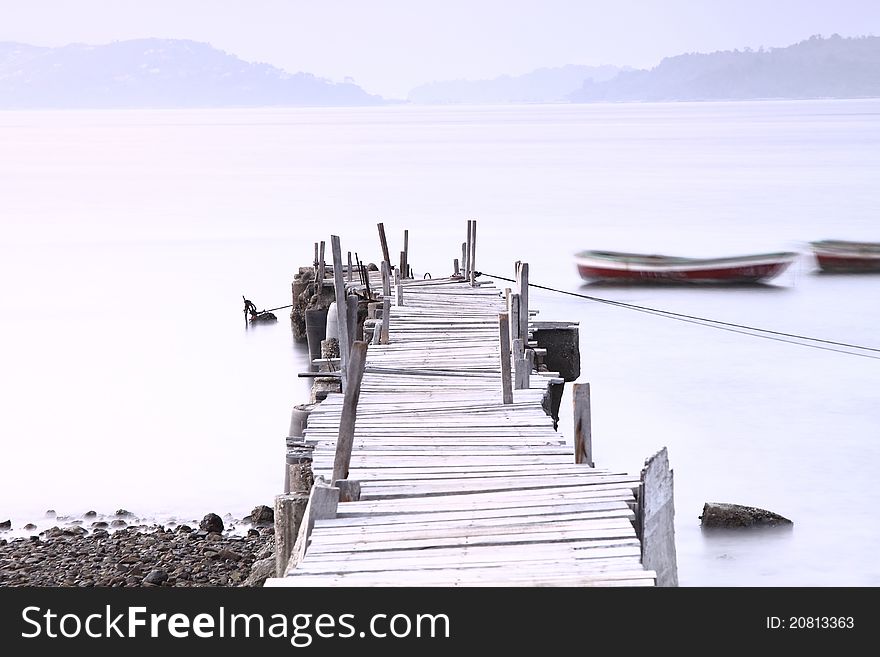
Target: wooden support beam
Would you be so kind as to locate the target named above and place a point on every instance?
(341, 309)
(352, 392)
(583, 439)
(504, 337)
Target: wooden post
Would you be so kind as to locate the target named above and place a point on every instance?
(522, 279)
(399, 292)
(405, 268)
(350, 273)
(386, 320)
(464, 254)
(386, 279)
(513, 306)
(504, 336)
(583, 438)
(473, 251)
(530, 367)
(352, 392)
(341, 310)
(320, 278)
(288, 513)
(352, 315)
(322, 504)
(519, 365)
(384, 242)
(402, 267)
(655, 519)
(316, 258)
(455, 267)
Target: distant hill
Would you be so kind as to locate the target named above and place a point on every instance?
(156, 73)
(835, 67)
(540, 86)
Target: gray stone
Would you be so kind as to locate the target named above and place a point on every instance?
(5, 525)
(262, 516)
(732, 516)
(260, 571)
(90, 514)
(155, 577)
(211, 523)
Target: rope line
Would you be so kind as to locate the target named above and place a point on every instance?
(715, 323)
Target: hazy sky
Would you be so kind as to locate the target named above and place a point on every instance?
(391, 46)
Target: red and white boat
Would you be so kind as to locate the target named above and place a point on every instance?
(849, 257)
(611, 266)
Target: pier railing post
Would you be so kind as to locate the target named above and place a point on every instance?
(341, 310)
(464, 257)
(583, 438)
(504, 337)
(345, 439)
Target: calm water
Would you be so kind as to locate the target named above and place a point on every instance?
(129, 379)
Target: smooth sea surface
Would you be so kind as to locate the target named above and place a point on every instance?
(127, 239)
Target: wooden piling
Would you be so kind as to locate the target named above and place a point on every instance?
(405, 267)
(320, 276)
(386, 320)
(455, 267)
(473, 259)
(655, 519)
(350, 273)
(341, 310)
(522, 279)
(513, 306)
(386, 279)
(504, 337)
(352, 316)
(583, 438)
(464, 255)
(288, 513)
(345, 439)
(384, 243)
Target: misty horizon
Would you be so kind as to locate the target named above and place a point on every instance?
(152, 72)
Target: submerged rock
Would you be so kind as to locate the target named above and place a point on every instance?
(725, 516)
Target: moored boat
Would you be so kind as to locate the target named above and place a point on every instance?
(612, 266)
(841, 256)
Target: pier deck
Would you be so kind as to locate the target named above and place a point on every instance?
(456, 487)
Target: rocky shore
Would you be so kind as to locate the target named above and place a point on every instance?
(96, 550)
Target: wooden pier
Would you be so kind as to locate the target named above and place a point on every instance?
(438, 464)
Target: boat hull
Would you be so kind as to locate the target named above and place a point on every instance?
(634, 268)
(836, 256)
